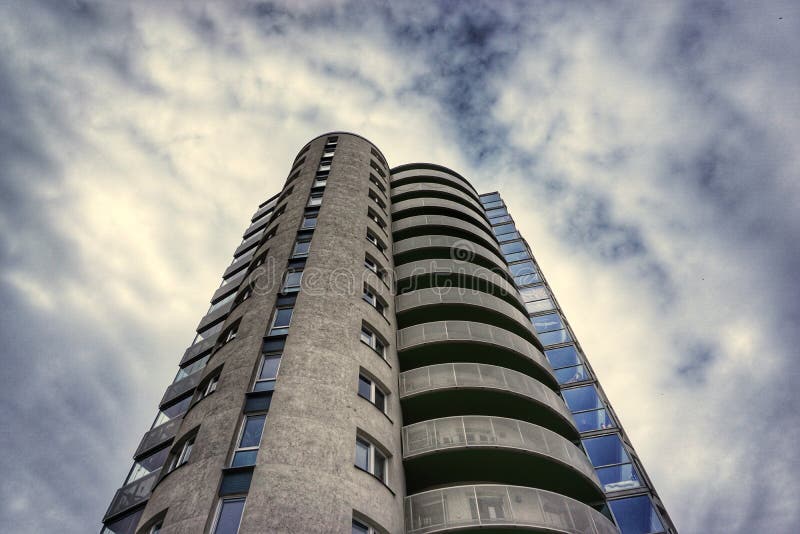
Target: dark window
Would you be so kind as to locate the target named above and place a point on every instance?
(280, 321)
(292, 280)
(230, 515)
(370, 459)
(612, 463)
(301, 247)
(309, 221)
(635, 515)
(268, 372)
(370, 391)
(247, 450)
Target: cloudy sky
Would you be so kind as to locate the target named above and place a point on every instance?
(648, 151)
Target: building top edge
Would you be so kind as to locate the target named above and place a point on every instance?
(434, 166)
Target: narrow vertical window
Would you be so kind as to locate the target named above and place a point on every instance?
(268, 372)
(280, 321)
(369, 390)
(309, 221)
(229, 516)
(292, 280)
(249, 440)
(370, 459)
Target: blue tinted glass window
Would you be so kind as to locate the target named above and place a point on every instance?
(501, 219)
(618, 477)
(230, 515)
(517, 256)
(241, 458)
(508, 237)
(540, 306)
(504, 229)
(547, 323)
(514, 246)
(554, 338)
(496, 213)
(490, 198)
(530, 294)
(593, 420)
(605, 450)
(563, 357)
(568, 375)
(492, 205)
(520, 269)
(636, 515)
(583, 398)
(252, 431)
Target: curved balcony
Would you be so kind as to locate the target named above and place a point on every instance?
(489, 506)
(414, 172)
(450, 389)
(472, 342)
(455, 274)
(445, 225)
(434, 190)
(497, 449)
(437, 206)
(426, 247)
(455, 303)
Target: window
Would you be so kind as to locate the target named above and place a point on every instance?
(524, 273)
(229, 516)
(191, 368)
(220, 303)
(210, 388)
(370, 391)
(324, 165)
(374, 196)
(268, 372)
(259, 261)
(500, 219)
(537, 299)
(320, 180)
(509, 237)
(492, 197)
(492, 205)
(156, 529)
(377, 219)
(550, 329)
(230, 333)
(309, 221)
(375, 301)
(183, 456)
(567, 365)
(514, 246)
(150, 463)
(361, 527)
(635, 515)
(280, 321)
(370, 459)
(588, 409)
(292, 280)
(491, 214)
(172, 412)
(371, 339)
(245, 293)
(612, 463)
(375, 241)
(504, 229)
(301, 247)
(249, 439)
(373, 266)
(124, 525)
(377, 169)
(377, 183)
(315, 199)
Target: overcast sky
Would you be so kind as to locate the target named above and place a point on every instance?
(648, 151)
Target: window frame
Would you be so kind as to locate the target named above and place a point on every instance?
(376, 342)
(271, 331)
(264, 357)
(242, 427)
(373, 451)
(293, 288)
(371, 297)
(373, 386)
(220, 507)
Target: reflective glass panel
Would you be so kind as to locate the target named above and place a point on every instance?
(496, 213)
(605, 450)
(362, 455)
(230, 515)
(310, 221)
(547, 323)
(618, 477)
(241, 458)
(582, 398)
(568, 375)
(269, 369)
(539, 306)
(492, 205)
(554, 338)
(253, 427)
(364, 387)
(380, 399)
(517, 256)
(512, 247)
(359, 528)
(522, 269)
(563, 356)
(593, 420)
(282, 317)
(501, 219)
(490, 198)
(508, 237)
(301, 248)
(534, 293)
(636, 515)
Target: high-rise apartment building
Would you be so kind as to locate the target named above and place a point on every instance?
(383, 355)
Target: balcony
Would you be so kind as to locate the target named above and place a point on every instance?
(158, 436)
(496, 449)
(455, 273)
(417, 173)
(426, 305)
(438, 206)
(432, 189)
(472, 342)
(181, 387)
(470, 388)
(131, 495)
(448, 247)
(492, 508)
(445, 225)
